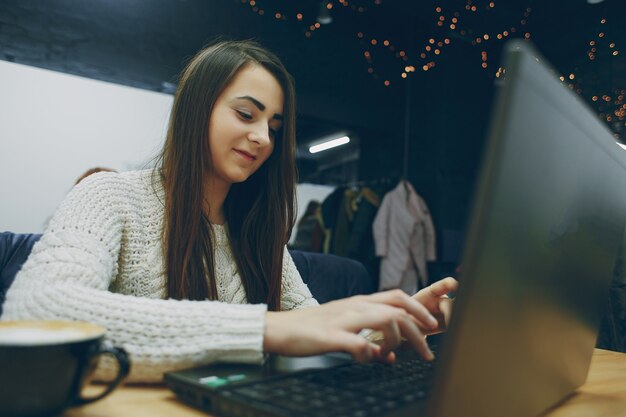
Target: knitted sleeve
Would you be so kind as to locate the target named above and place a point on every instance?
(295, 293)
(72, 267)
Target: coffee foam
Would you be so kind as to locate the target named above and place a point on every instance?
(42, 333)
(38, 336)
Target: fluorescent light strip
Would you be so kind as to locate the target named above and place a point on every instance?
(329, 144)
(621, 145)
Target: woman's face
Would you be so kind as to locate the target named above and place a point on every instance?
(245, 120)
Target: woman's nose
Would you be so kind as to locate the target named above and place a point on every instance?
(260, 135)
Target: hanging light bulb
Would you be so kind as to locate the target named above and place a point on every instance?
(324, 16)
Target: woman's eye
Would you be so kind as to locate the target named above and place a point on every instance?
(244, 115)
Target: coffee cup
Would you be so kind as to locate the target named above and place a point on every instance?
(45, 364)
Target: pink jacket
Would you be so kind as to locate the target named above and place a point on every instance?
(404, 236)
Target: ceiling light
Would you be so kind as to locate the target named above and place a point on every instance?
(329, 144)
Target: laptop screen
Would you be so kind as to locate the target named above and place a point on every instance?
(544, 235)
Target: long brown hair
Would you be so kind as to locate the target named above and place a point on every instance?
(259, 211)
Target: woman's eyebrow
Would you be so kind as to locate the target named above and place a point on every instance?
(260, 106)
(254, 101)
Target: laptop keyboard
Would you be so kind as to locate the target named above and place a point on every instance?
(356, 390)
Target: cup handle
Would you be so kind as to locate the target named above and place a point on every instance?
(123, 367)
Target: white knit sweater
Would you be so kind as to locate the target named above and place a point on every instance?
(100, 260)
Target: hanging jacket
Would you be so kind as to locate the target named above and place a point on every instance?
(404, 236)
(330, 211)
(361, 244)
(310, 234)
(340, 238)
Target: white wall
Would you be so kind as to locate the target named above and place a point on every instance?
(55, 126)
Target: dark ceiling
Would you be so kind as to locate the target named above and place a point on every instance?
(144, 43)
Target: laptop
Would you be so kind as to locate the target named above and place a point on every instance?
(543, 240)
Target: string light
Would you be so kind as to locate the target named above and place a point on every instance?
(430, 51)
(610, 106)
(453, 26)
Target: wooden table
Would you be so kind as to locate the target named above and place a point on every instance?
(603, 395)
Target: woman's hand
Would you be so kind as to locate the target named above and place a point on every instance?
(435, 299)
(334, 326)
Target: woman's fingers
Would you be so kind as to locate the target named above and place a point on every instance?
(436, 290)
(445, 305)
(334, 327)
(391, 332)
(400, 299)
(389, 358)
(435, 299)
(395, 323)
(360, 348)
(416, 338)
(443, 286)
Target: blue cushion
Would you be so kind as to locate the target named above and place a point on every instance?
(331, 277)
(14, 250)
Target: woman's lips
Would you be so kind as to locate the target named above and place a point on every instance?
(245, 155)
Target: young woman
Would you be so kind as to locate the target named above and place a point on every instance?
(186, 264)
